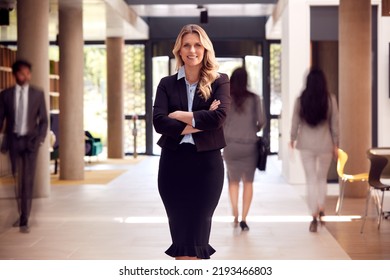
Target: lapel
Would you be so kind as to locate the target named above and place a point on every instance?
(182, 90)
(29, 102)
(11, 100)
(197, 99)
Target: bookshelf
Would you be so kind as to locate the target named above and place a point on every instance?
(8, 57)
(54, 87)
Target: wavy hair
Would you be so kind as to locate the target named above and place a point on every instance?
(315, 98)
(208, 72)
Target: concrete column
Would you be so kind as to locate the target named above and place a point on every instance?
(71, 43)
(115, 111)
(355, 87)
(33, 44)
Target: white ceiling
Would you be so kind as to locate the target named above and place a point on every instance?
(214, 10)
(103, 18)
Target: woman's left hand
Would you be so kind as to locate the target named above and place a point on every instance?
(175, 115)
(187, 117)
(183, 116)
(335, 152)
(214, 105)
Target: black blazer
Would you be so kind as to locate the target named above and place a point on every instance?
(37, 119)
(172, 96)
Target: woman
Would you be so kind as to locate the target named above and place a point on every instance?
(189, 111)
(245, 119)
(315, 130)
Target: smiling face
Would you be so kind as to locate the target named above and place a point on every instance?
(192, 50)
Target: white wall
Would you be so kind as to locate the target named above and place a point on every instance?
(383, 80)
(295, 65)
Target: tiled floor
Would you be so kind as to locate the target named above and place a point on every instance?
(126, 220)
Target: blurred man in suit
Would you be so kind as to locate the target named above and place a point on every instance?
(24, 114)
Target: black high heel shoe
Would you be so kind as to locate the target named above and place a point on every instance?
(244, 226)
(313, 225)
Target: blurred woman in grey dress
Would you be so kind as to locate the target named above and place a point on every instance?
(315, 133)
(246, 118)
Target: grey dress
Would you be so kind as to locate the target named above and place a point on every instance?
(240, 130)
(322, 137)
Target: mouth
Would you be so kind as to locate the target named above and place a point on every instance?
(192, 56)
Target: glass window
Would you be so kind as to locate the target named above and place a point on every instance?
(95, 91)
(134, 96)
(160, 70)
(228, 65)
(134, 79)
(276, 78)
(274, 135)
(254, 67)
(140, 128)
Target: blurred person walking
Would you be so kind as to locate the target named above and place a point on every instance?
(315, 133)
(245, 119)
(23, 110)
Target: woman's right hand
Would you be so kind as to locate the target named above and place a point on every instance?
(214, 105)
(335, 152)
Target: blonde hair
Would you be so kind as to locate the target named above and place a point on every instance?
(208, 72)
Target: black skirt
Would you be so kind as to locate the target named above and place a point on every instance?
(190, 185)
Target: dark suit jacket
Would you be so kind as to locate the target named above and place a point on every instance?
(37, 119)
(172, 96)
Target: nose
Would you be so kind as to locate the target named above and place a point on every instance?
(192, 49)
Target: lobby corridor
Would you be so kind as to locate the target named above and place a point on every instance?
(125, 219)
